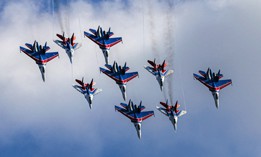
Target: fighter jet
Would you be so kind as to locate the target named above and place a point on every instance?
(38, 53)
(213, 82)
(87, 90)
(104, 40)
(159, 71)
(135, 114)
(68, 45)
(118, 74)
(172, 112)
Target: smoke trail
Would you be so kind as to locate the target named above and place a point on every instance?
(152, 30)
(63, 16)
(169, 49)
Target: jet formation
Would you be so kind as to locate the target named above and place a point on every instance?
(213, 82)
(172, 112)
(119, 75)
(104, 40)
(159, 71)
(38, 53)
(87, 90)
(135, 114)
(68, 45)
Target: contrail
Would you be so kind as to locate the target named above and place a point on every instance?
(152, 30)
(63, 16)
(169, 49)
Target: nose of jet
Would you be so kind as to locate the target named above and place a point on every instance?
(42, 69)
(138, 128)
(216, 98)
(89, 99)
(123, 91)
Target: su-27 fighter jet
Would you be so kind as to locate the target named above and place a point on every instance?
(38, 53)
(159, 71)
(119, 74)
(172, 112)
(135, 114)
(87, 90)
(213, 82)
(104, 40)
(68, 45)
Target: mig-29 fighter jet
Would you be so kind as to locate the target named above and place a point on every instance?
(135, 114)
(119, 75)
(104, 40)
(38, 53)
(213, 82)
(87, 90)
(172, 112)
(159, 71)
(68, 45)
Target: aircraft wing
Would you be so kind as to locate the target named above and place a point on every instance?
(30, 53)
(203, 73)
(97, 91)
(213, 85)
(167, 72)
(120, 78)
(181, 113)
(162, 110)
(108, 66)
(135, 116)
(93, 31)
(111, 42)
(102, 42)
(203, 81)
(124, 105)
(49, 56)
(76, 46)
(223, 83)
(30, 46)
(129, 76)
(144, 115)
(151, 70)
(59, 43)
(78, 88)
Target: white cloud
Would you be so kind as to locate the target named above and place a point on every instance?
(218, 34)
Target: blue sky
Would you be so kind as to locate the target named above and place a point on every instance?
(52, 119)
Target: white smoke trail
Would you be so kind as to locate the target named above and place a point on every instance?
(169, 50)
(63, 16)
(152, 29)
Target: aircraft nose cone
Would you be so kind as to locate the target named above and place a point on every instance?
(216, 98)
(138, 128)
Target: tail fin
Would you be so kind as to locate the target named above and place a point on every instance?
(91, 85)
(176, 107)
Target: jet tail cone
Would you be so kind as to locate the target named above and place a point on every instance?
(161, 88)
(90, 105)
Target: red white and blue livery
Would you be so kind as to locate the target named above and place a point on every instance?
(38, 53)
(87, 90)
(119, 75)
(159, 71)
(68, 45)
(213, 82)
(135, 114)
(103, 39)
(172, 112)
